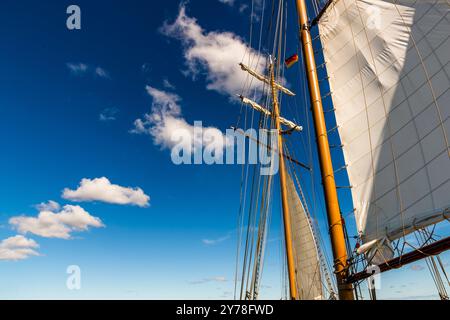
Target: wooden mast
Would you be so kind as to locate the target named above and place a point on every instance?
(331, 199)
(284, 199)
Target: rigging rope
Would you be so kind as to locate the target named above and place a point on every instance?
(422, 237)
(246, 167)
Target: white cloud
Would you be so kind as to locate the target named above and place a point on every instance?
(167, 126)
(243, 7)
(102, 73)
(207, 280)
(77, 68)
(48, 206)
(56, 224)
(417, 267)
(219, 53)
(17, 248)
(228, 2)
(256, 4)
(212, 242)
(168, 85)
(108, 114)
(165, 117)
(101, 189)
(146, 67)
(256, 7)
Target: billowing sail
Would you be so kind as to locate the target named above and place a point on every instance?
(307, 263)
(388, 63)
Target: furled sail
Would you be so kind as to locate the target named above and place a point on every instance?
(388, 63)
(307, 263)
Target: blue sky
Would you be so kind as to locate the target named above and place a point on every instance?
(68, 104)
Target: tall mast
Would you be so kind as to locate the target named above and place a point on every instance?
(284, 199)
(331, 199)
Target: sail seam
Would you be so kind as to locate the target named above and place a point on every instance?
(399, 155)
(428, 80)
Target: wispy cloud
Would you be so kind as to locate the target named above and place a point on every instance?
(101, 189)
(418, 297)
(229, 235)
(102, 73)
(17, 248)
(226, 294)
(417, 267)
(213, 242)
(108, 114)
(228, 2)
(256, 7)
(145, 68)
(168, 85)
(77, 68)
(243, 7)
(80, 68)
(48, 206)
(208, 280)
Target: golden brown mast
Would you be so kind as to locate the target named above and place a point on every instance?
(284, 199)
(329, 184)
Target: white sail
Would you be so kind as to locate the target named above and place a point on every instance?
(307, 263)
(388, 63)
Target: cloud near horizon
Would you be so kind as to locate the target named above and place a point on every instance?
(417, 267)
(17, 248)
(207, 280)
(101, 189)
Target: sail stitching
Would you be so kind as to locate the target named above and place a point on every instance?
(363, 91)
(428, 80)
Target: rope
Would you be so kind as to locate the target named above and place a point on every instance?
(246, 168)
(432, 267)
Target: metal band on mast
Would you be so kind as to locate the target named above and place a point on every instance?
(331, 199)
